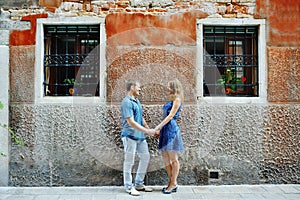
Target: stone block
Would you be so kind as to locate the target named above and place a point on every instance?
(14, 25)
(18, 3)
(4, 37)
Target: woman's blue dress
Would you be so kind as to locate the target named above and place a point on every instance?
(170, 137)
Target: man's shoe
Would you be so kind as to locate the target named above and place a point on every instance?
(132, 191)
(143, 188)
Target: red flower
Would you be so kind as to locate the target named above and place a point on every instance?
(244, 79)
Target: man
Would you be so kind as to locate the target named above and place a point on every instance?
(134, 140)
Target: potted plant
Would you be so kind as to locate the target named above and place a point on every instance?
(229, 80)
(71, 83)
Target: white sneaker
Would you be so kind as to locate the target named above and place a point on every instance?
(143, 188)
(132, 191)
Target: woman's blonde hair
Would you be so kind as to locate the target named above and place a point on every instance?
(176, 86)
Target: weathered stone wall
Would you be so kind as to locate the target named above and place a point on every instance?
(80, 144)
(4, 110)
(283, 48)
(22, 73)
(284, 74)
(18, 3)
(281, 144)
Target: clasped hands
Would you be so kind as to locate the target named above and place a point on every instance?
(153, 132)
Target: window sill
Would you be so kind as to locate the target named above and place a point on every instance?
(229, 100)
(71, 100)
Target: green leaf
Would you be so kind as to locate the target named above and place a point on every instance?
(10, 130)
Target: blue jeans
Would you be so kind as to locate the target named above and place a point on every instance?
(130, 148)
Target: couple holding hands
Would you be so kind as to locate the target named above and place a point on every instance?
(134, 140)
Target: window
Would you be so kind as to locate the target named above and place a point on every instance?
(71, 60)
(232, 59)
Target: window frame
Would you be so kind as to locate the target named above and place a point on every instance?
(262, 74)
(39, 62)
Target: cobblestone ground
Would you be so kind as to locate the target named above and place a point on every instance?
(225, 192)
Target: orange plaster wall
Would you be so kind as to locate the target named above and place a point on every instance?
(26, 37)
(152, 49)
(261, 9)
(184, 23)
(283, 19)
(50, 3)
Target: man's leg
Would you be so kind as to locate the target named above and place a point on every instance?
(144, 158)
(129, 154)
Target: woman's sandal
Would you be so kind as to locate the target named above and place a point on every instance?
(173, 189)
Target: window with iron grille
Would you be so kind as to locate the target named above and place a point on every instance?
(71, 60)
(230, 61)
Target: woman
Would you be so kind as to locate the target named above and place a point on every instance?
(170, 140)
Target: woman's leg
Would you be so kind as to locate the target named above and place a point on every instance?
(168, 165)
(173, 158)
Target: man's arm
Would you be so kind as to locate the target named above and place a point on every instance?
(138, 127)
(145, 123)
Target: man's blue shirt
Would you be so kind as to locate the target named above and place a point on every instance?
(132, 108)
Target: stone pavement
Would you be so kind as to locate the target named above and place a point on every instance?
(210, 192)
